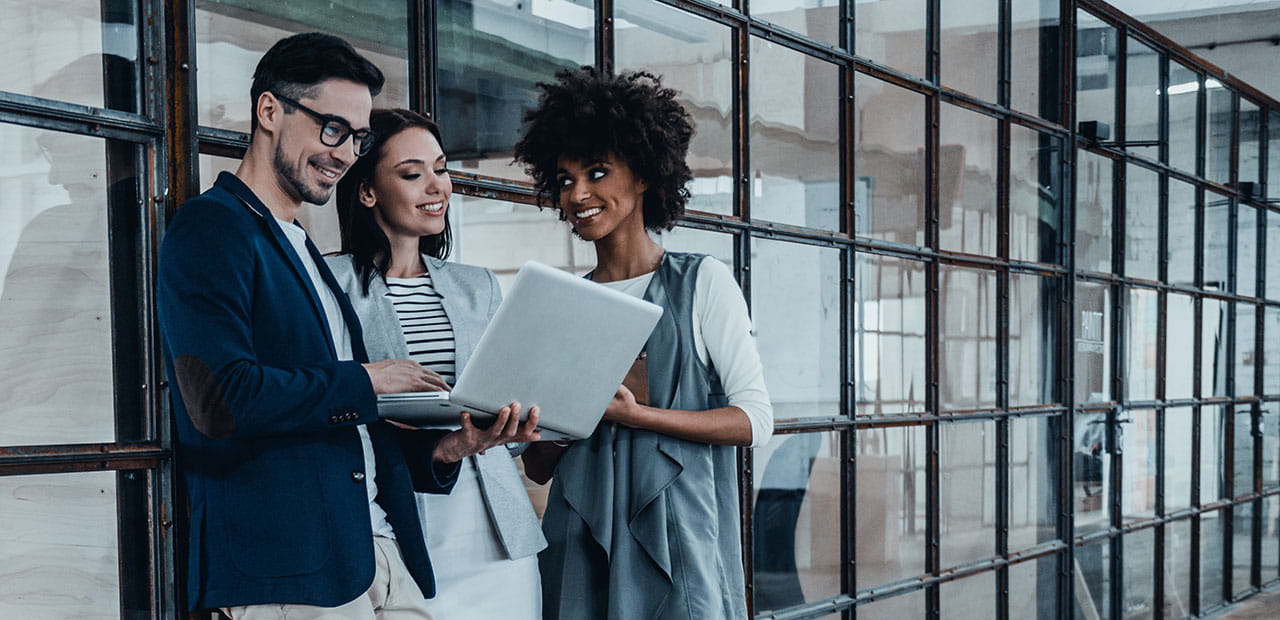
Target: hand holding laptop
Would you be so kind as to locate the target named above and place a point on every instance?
(506, 428)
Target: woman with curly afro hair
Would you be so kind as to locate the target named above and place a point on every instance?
(642, 517)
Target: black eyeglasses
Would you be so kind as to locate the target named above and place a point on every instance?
(334, 130)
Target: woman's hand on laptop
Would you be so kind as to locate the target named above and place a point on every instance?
(470, 440)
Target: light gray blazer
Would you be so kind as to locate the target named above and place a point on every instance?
(470, 296)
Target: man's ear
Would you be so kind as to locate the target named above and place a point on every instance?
(367, 197)
(269, 111)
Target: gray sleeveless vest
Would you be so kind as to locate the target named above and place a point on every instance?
(642, 525)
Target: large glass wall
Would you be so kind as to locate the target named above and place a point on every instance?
(1018, 310)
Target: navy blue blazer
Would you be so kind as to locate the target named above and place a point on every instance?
(266, 418)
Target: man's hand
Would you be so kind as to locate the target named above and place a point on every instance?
(469, 440)
(396, 376)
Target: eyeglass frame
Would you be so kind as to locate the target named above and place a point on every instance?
(364, 138)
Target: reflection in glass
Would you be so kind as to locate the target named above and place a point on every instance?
(1271, 351)
(970, 46)
(1213, 348)
(56, 282)
(1138, 462)
(1141, 335)
(232, 36)
(1250, 157)
(910, 605)
(971, 597)
(1142, 223)
(1092, 462)
(797, 517)
(1092, 574)
(795, 299)
(1177, 459)
(1184, 89)
(1242, 474)
(490, 58)
(813, 18)
(1096, 49)
(1093, 342)
(1093, 211)
(967, 489)
(1035, 195)
(1033, 480)
(1269, 428)
(1246, 349)
(892, 33)
(1138, 591)
(1179, 358)
(967, 181)
(1035, 583)
(1177, 569)
(1212, 465)
(890, 187)
(1241, 547)
(1273, 245)
(890, 537)
(1142, 99)
(890, 324)
(1270, 559)
(1273, 162)
(1246, 250)
(1182, 233)
(1217, 227)
(718, 245)
(1212, 538)
(77, 51)
(967, 305)
(1035, 43)
(1034, 321)
(693, 56)
(795, 145)
(1217, 147)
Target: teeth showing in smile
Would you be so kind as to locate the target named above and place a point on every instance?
(588, 213)
(328, 173)
(431, 208)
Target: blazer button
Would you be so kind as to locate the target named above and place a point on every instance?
(333, 419)
(358, 476)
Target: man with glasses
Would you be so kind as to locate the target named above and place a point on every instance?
(301, 501)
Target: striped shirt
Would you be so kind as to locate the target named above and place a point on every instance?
(427, 330)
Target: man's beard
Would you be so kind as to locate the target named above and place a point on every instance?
(293, 181)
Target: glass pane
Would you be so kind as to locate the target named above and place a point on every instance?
(1142, 223)
(719, 245)
(1241, 547)
(1273, 159)
(890, 188)
(970, 47)
(1246, 250)
(1177, 459)
(891, 32)
(795, 145)
(1094, 208)
(1138, 598)
(1246, 349)
(1271, 351)
(1036, 586)
(1182, 233)
(1093, 342)
(232, 36)
(1250, 156)
(1272, 263)
(1212, 537)
(1212, 464)
(1035, 77)
(1213, 348)
(1217, 149)
(967, 181)
(693, 56)
(1034, 320)
(967, 489)
(1141, 335)
(1092, 576)
(1092, 461)
(1270, 559)
(817, 19)
(891, 503)
(1138, 451)
(1269, 428)
(795, 298)
(503, 235)
(1177, 569)
(1184, 87)
(1142, 99)
(797, 519)
(79, 51)
(56, 315)
(1033, 480)
(1096, 47)
(971, 597)
(967, 305)
(1035, 195)
(890, 342)
(1242, 476)
(1179, 356)
(1217, 227)
(491, 53)
(910, 605)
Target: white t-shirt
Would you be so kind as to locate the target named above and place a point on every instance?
(724, 340)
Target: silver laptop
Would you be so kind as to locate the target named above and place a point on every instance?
(559, 342)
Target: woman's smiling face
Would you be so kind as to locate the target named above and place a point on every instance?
(598, 196)
(410, 187)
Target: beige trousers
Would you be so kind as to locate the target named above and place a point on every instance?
(394, 595)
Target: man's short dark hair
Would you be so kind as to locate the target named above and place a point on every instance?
(295, 65)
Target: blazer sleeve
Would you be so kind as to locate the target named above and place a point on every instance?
(205, 299)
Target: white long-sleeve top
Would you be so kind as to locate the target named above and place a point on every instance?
(724, 341)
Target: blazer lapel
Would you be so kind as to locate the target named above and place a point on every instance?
(448, 289)
(358, 352)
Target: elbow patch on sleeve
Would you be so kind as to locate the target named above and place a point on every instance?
(202, 396)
